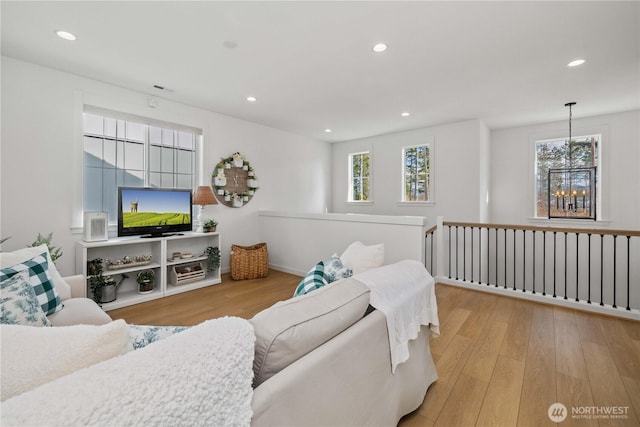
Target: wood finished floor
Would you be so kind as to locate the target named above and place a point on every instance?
(501, 361)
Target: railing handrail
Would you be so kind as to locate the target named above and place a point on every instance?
(431, 230)
(630, 233)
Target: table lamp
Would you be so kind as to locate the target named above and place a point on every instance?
(203, 196)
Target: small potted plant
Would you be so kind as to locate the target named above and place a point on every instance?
(145, 279)
(213, 258)
(210, 226)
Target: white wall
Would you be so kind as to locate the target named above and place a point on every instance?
(41, 125)
(512, 173)
(460, 162)
(298, 241)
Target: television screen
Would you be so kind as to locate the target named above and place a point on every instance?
(153, 211)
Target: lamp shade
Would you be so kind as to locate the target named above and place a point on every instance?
(204, 196)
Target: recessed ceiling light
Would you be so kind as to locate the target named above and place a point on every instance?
(251, 98)
(380, 47)
(576, 62)
(65, 35)
(327, 130)
(230, 44)
(405, 114)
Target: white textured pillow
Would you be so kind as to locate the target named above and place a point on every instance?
(360, 257)
(34, 356)
(7, 259)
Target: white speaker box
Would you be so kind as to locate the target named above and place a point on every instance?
(96, 226)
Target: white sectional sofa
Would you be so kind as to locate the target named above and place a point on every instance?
(323, 358)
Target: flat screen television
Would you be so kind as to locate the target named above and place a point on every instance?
(153, 212)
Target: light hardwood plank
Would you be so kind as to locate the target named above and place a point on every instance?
(463, 406)
(569, 357)
(449, 367)
(502, 399)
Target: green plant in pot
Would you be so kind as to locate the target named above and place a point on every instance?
(213, 258)
(95, 278)
(145, 279)
(210, 226)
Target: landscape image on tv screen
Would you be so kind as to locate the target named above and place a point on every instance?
(143, 208)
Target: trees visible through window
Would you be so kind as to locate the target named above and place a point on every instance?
(580, 152)
(416, 161)
(122, 153)
(359, 176)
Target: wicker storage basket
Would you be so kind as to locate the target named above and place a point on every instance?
(249, 262)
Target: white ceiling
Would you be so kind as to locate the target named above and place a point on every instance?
(311, 66)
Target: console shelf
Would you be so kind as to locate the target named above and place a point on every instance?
(161, 250)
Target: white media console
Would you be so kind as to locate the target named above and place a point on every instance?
(161, 249)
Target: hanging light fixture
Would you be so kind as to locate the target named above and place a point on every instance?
(570, 104)
(573, 188)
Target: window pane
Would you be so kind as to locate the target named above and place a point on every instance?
(184, 181)
(109, 193)
(416, 173)
(365, 164)
(155, 180)
(92, 152)
(109, 153)
(154, 158)
(109, 127)
(92, 124)
(155, 135)
(166, 180)
(133, 156)
(167, 137)
(120, 129)
(92, 191)
(135, 131)
(185, 161)
(167, 159)
(561, 154)
(186, 140)
(130, 178)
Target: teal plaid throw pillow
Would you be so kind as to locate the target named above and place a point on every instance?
(315, 279)
(39, 278)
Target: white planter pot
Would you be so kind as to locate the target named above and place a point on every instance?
(227, 165)
(251, 192)
(220, 171)
(253, 183)
(251, 173)
(227, 198)
(237, 203)
(221, 192)
(245, 167)
(245, 198)
(220, 181)
(238, 163)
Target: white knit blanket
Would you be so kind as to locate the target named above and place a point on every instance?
(405, 293)
(199, 377)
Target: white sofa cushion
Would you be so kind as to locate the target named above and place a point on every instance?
(8, 259)
(360, 257)
(79, 311)
(290, 329)
(35, 356)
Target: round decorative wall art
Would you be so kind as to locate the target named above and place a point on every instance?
(234, 181)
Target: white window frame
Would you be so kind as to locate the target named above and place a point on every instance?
(602, 178)
(85, 101)
(159, 138)
(350, 198)
(428, 180)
